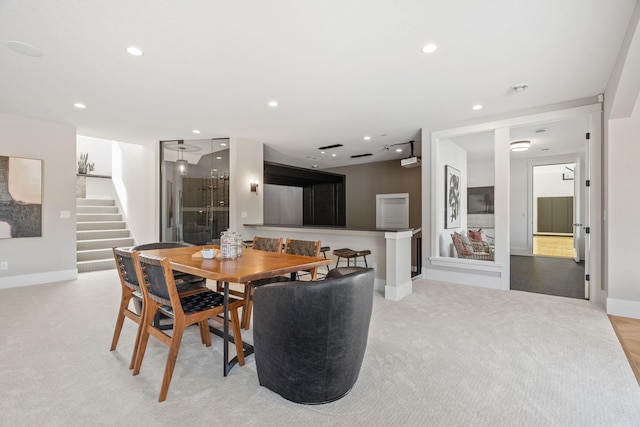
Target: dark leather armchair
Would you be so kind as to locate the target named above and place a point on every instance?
(310, 337)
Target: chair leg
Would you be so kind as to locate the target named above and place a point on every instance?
(174, 348)
(248, 307)
(124, 303)
(149, 314)
(205, 335)
(136, 345)
(237, 336)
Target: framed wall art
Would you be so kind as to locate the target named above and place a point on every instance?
(20, 197)
(452, 193)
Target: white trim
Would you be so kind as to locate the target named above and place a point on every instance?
(395, 293)
(37, 279)
(467, 264)
(624, 308)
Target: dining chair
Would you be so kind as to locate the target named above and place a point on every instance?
(130, 285)
(184, 281)
(267, 244)
(161, 295)
(293, 247)
(305, 248)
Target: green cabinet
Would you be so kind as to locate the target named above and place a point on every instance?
(555, 214)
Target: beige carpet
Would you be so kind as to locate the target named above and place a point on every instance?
(447, 355)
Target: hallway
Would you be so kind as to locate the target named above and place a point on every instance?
(551, 276)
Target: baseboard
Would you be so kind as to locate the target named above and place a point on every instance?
(520, 251)
(623, 308)
(37, 279)
(395, 293)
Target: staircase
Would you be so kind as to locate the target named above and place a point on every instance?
(99, 228)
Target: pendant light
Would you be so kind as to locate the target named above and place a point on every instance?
(181, 163)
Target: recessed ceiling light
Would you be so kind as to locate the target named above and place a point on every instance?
(314, 166)
(219, 158)
(24, 49)
(195, 131)
(273, 104)
(322, 152)
(333, 155)
(132, 50)
(398, 150)
(477, 107)
(366, 138)
(80, 105)
(429, 48)
(224, 144)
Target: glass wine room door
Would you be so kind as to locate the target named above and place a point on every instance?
(194, 190)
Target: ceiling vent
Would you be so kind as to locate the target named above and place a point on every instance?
(328, 147)
(356, 156)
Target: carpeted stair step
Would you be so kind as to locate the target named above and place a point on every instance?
(101, 225)
(102, 234)
(96, 265)
(83, 245)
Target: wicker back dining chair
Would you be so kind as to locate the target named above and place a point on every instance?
(161, 295)
(267, 244)
(130, 285)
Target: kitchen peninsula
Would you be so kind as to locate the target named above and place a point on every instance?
(390, 250)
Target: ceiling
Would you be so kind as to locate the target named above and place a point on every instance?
(339, 70)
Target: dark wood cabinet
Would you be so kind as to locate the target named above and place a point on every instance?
(555, 214)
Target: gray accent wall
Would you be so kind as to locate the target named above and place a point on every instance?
(366, 180)
(282, 205)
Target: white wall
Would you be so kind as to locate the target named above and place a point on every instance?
(621, 154)
(136, 181)
(99, 153)
(519, 225)
(246, 163)
(623, 207)
(55, 144)
(452, 155)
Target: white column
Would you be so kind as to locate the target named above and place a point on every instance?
(398, 260)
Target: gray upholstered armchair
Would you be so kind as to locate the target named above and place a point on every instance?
(310, 337)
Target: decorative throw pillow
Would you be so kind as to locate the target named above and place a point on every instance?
(467, 243)
(461, 248)
(475, 235)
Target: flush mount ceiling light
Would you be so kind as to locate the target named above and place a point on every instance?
(519, 87)
(132, 50)
(24, 49)
(520, 145)
(429, 48)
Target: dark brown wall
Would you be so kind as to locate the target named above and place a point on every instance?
(367, 180)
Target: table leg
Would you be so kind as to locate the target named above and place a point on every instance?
(248, 348)
(225, 328)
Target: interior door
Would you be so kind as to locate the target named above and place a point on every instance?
(586, 214)
(577, 210)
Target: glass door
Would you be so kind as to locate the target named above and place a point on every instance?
(194, 190)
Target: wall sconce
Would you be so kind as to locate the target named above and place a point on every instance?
(254, 187)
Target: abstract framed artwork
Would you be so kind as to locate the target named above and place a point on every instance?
(452, 197)
(20, 197)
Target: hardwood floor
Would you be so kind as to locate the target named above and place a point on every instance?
(560, 246)
(628, 332)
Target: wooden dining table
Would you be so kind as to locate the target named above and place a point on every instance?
(252, 265)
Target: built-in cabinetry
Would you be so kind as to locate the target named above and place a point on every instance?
(555, 214)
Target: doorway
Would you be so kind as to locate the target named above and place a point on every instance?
(554, 205)
(194, 190)
(554, 211)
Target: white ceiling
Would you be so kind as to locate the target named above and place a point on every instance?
(339, 70)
